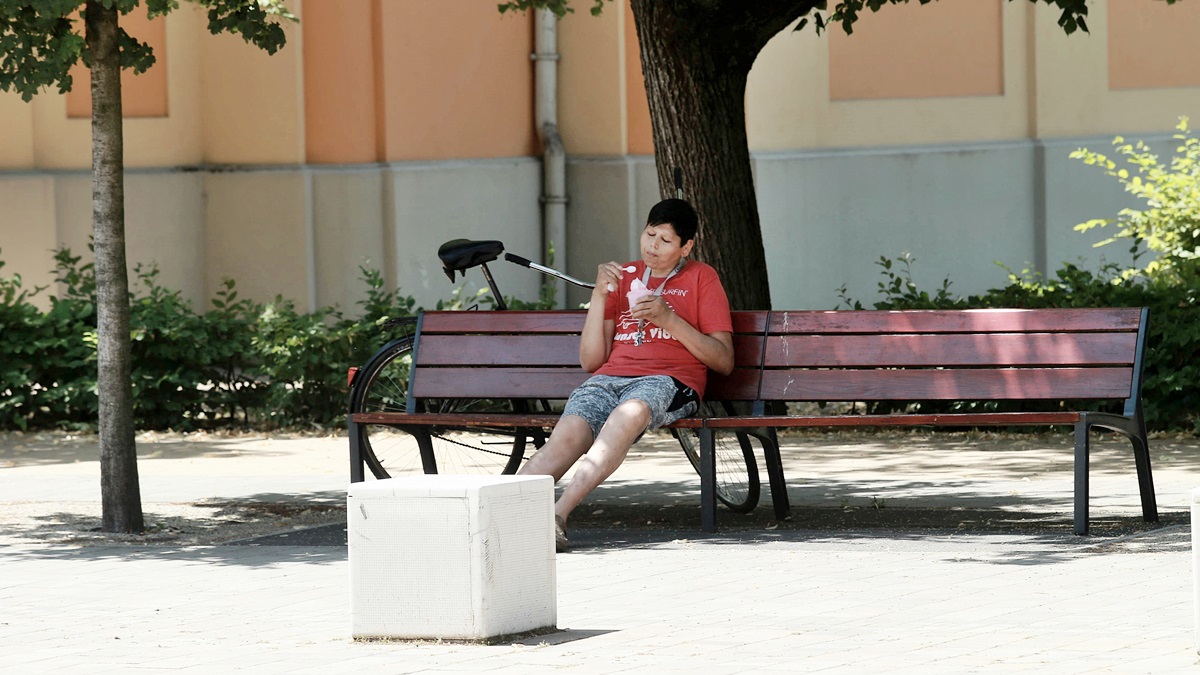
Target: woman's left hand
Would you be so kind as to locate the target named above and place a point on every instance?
(652, 308)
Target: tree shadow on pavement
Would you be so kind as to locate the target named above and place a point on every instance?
(242, 556)
(53, 528)
(45, 448)
(991, 537)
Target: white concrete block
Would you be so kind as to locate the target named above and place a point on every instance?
(451, 557)
(1196, 567)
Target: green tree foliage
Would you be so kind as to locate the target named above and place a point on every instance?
(1170, 225)
(41, 41)
(846, 13)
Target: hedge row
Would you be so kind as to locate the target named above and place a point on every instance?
(1171, 384)
(239, 364)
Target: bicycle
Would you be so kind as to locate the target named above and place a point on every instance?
(381, 385)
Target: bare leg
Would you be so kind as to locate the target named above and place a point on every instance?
(606, 454)
(568, 441)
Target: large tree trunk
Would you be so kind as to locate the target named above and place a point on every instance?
(119, 490)
(696, 58)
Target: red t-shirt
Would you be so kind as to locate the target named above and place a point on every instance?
(696, 295)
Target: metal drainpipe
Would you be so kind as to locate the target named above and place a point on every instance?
(554, 161)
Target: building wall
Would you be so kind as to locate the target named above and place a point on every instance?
(960, 179)
(283, 171)
(388, 126)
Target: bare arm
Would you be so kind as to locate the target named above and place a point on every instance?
(595, 343)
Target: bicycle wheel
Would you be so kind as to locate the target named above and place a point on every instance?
(737, 471)
(382, 386)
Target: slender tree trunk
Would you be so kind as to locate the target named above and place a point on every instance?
(119, 489)
(696, 58)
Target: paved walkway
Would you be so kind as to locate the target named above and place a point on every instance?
(652, 598)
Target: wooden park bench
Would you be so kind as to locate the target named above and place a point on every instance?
(529, 358)
(1047, 356)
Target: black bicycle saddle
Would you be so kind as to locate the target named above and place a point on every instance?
(462, 254)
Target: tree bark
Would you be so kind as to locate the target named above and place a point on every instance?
(119, 489)
(696, 57)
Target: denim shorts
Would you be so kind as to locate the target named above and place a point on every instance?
(668, 399)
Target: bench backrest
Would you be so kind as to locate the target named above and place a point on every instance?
(535, 355)
(850, 355)
(987, 354)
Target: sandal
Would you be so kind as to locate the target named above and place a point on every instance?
(560, 535)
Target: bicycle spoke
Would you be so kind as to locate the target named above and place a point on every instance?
(737, 471)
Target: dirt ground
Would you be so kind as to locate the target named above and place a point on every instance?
(49, 485)
(63, 458)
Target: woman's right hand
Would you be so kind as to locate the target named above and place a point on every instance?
(608, 278)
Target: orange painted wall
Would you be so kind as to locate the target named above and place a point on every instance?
(457, 80)
(637, 109)
(142, 95)
(339, 81)
(946, 48)
(1153, 44)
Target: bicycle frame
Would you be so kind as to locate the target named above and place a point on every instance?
(460, 255)
(735, 451)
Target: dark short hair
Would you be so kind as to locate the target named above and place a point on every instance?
(679, 215)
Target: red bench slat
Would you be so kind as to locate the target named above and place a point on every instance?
(502, 322)
(514, 382)
(740, 385)
(946, 385)
(956, 321)
(950, 349)
(940, 419)
(483, 420)
(544, 321)
(499, 350)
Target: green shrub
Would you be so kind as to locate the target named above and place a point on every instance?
(1167, 232)
(21, 343)
(1171, 371)
(56, 354)
(1170, 225)
(236, 378)
(238, 364)
(170, 347)
(307, 356)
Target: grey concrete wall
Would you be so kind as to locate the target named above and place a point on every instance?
(827, 218)
(967, 213)
(964, 212)
(427, 204)
(164, 226)
(299, 232)
(607, 203)
(348, 232)
(27, 230)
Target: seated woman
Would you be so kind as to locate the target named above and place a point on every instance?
(651, 335)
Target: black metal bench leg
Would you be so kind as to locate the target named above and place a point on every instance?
(779, 495)
(1081, 476)
(1141, 457)
(356, 461)
(708, 480)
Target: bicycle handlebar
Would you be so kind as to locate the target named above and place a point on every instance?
(525, 262)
